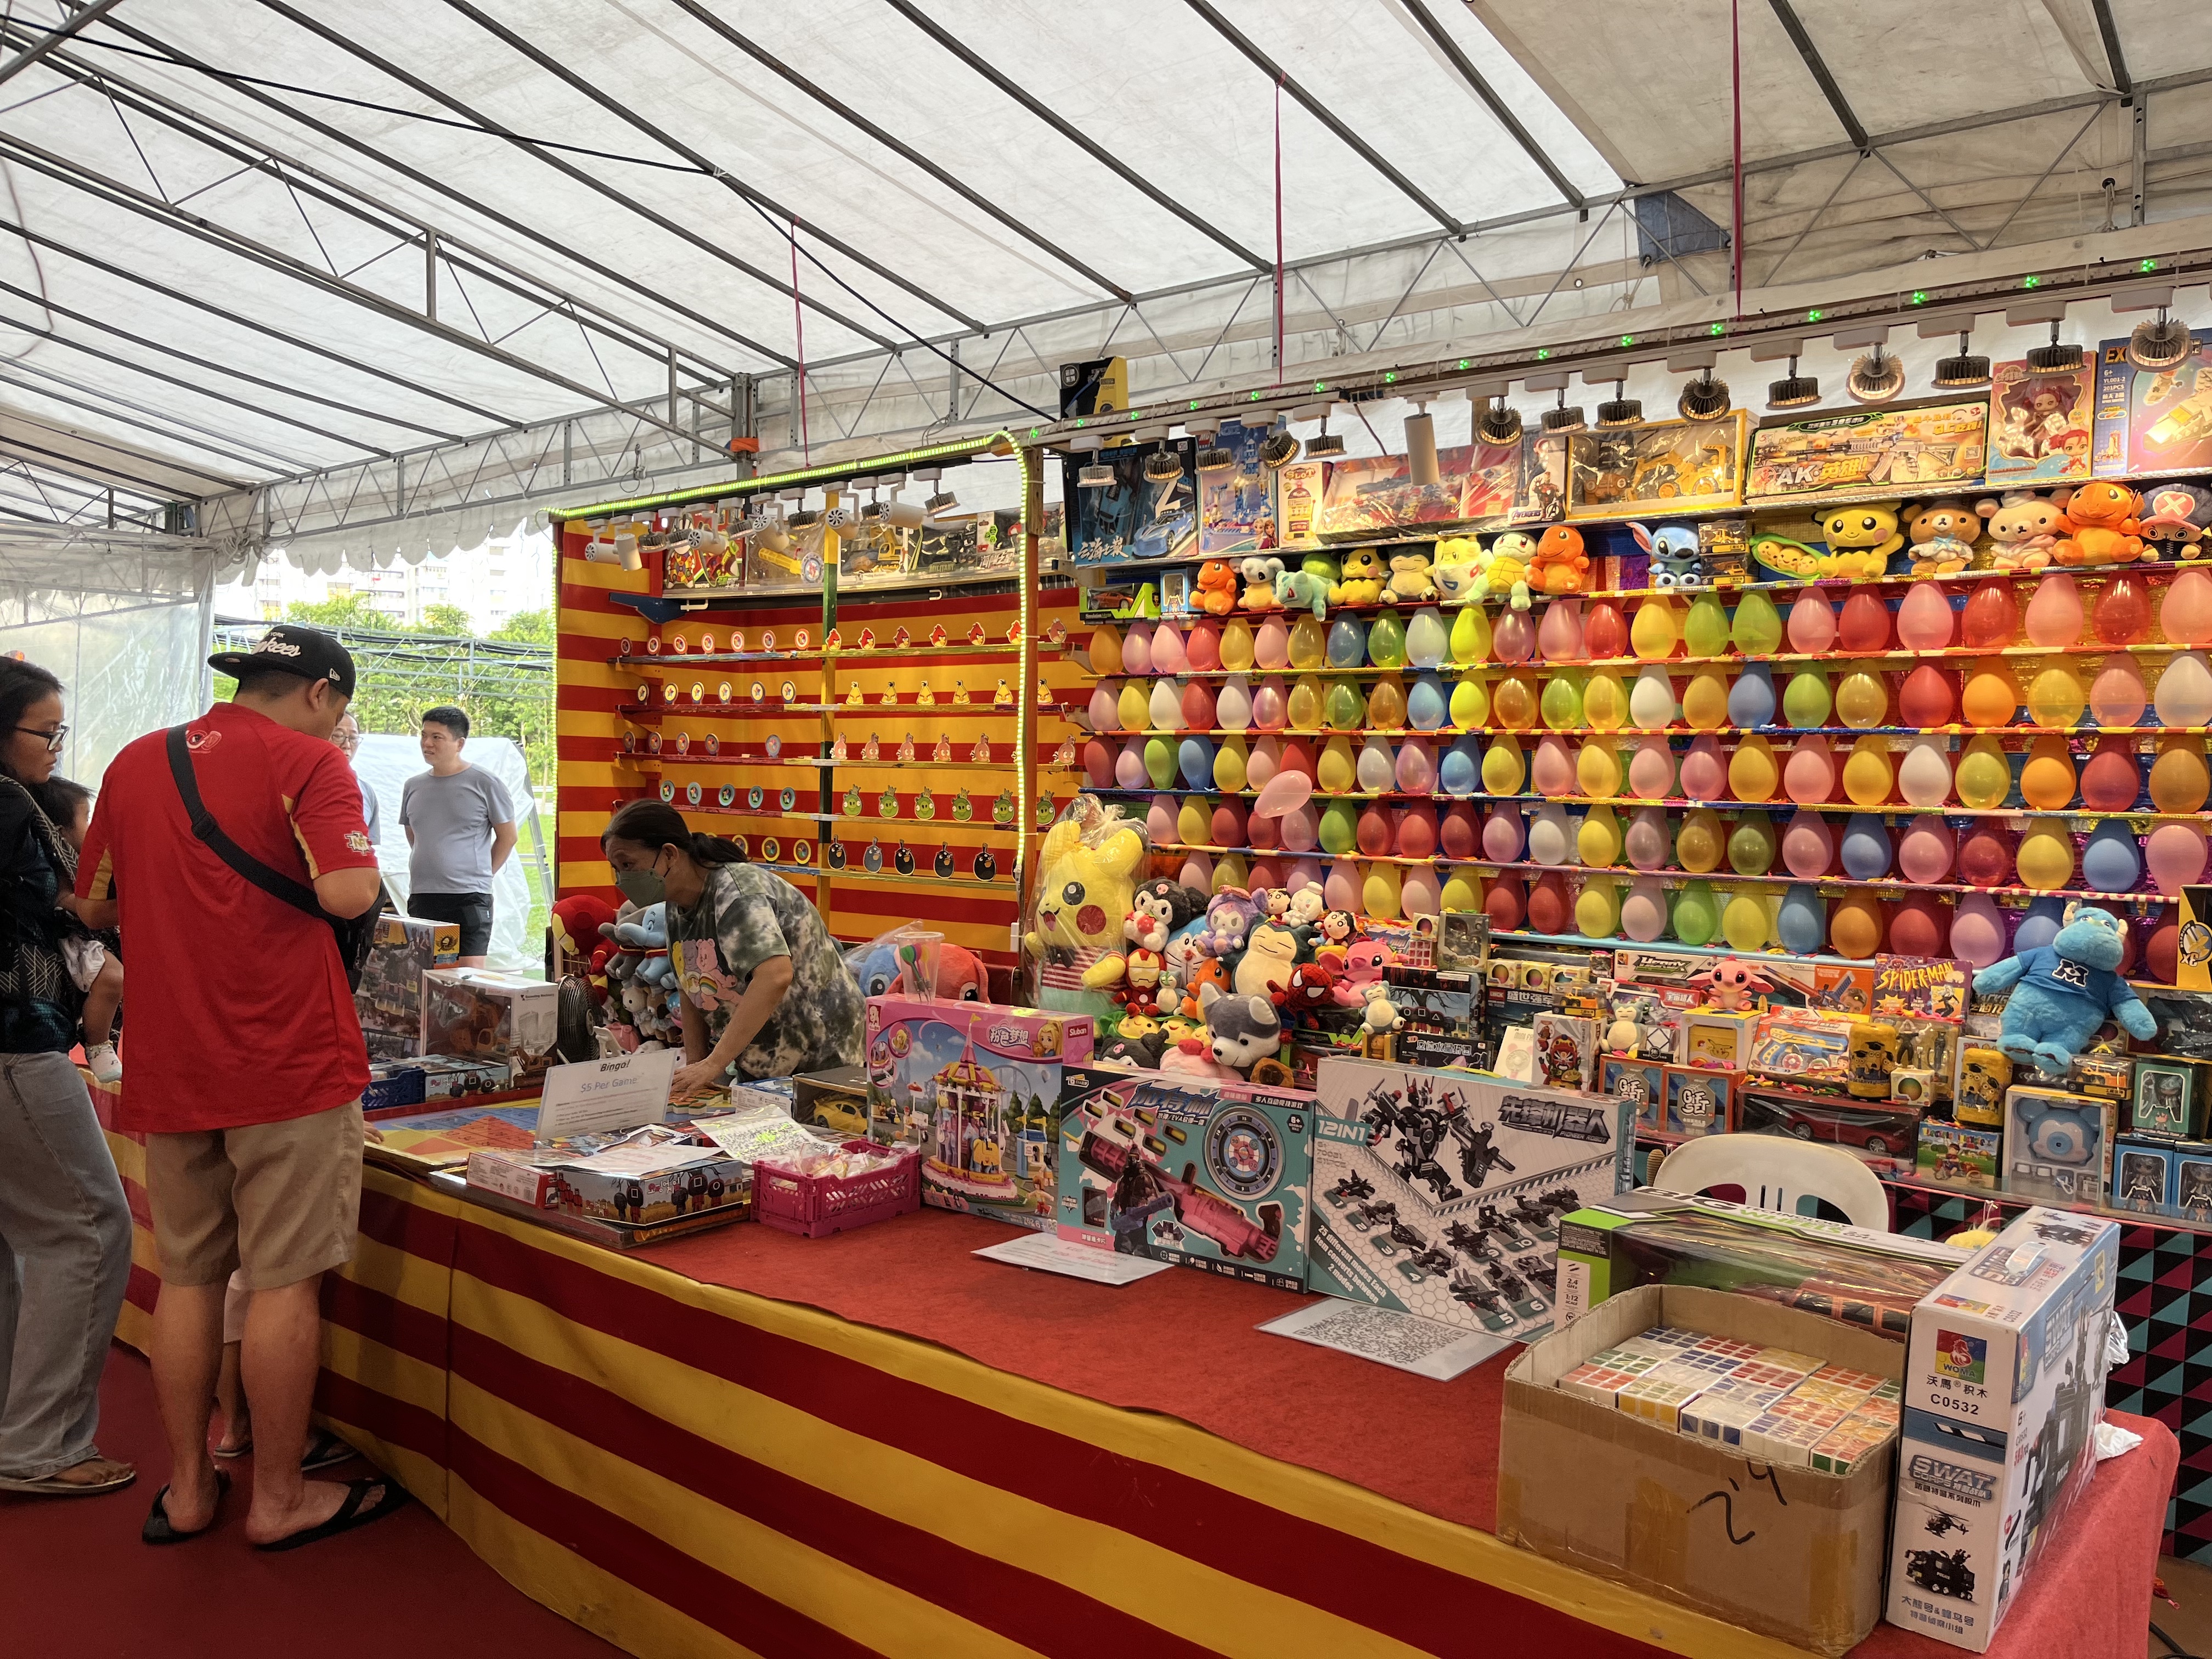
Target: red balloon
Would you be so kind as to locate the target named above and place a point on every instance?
(2112, 779)
(1549, 909)
(1264, 832)
(1505, 903)
(1417, 832)
(1928, 698)
(2123, 613)
(1985, 857)
(1920, 926)
(2162, 952)
(1374, 831)
(1298, 756)
(1992, 618)
(1459, 834)
(1605, 632)
(1865, 625)
(1229, 825)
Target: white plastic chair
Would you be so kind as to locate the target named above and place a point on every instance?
(1775, 1171)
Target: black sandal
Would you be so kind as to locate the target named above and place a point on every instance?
(157, 1529)
(350, 1514)
(325, 1451)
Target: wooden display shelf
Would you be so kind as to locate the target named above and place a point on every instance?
(922, 649)
(1626, 733)
(1840, 662)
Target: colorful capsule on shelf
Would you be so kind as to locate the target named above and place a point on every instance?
(1195, 822)
(1098, 758)
(1229, 769)
(1134, 709)
(1202, 646)
(1105, 650)
(1347, 643)
(1164, 709)
(1338, 825)
(1160, 819)
(1422, 893)
(1561, 702)
(1271, 704)
(1305, 704)
(1159, 761)
(1373, 832)
(1386, 704)
(1336, 768)
(1704, 700)
(1236, 652)
(1550, 910)
(1386, 641)
(1137, 648)
(1917, 926)
(1270, 643)
(1232, 705)
(1459, 832)
(1855, 926)
(2185, 618)
(1460, 771)
(2175, 855)
(1426, 708)
(1230, 825)
(1199, 711)
(1170, 655)
(1985, 856)
(2117, 696)
(1514, 702)
(1105, 709)
(1342, 887)
(1414, 772)
(2162, 952)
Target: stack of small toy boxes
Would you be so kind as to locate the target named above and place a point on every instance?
(2162, 1164)
(977, 1087)
(1212, 1173)
(2004, 1388)
(390, 999)
(1439, 1193)
(489, 1022)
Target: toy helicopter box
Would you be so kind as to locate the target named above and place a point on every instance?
(475, 1014)
(977, 1087)
(1206, 1173)
(2004, 1383)
(390, 999)
(1439, 1193)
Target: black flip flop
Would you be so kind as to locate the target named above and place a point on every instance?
(325, 1451)
(157, 1529)
(350, 1514)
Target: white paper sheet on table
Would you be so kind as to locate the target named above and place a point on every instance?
(642, 1160)
(1404, 1341)
(1045, 1252)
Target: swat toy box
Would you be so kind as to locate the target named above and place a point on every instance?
(977, 1088)
(1440, 1194)
(1210, 1174)
(2004, 1383)
(390, 999)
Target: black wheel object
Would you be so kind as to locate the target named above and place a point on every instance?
(1803, 1131)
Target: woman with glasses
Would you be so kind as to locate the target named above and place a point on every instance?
(64, 1229)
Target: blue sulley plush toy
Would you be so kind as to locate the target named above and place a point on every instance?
(2061, 991)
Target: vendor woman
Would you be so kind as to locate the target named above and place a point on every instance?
(764, 988)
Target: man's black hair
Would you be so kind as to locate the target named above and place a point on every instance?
(453, 719)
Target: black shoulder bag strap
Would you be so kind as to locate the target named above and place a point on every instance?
(355, 935)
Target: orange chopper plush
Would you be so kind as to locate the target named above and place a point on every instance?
(1560, 566)
(2099, 525)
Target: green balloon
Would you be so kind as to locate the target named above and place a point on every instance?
(1706, 629)
(1805, 699)
(1160, 762)
(1758, 628)
(1386, 641)
(1562, 703)
(1343, 709)
(1340, 827)
(1696, 916)
(1751, 845)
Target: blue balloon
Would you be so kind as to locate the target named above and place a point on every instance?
(1751, 699)
(2112, 862)
(1802, 922)
(2040, 925)
(1347, 643)
(1195, 757)
(1866, 847)
(1460, 771)
(1427, 705)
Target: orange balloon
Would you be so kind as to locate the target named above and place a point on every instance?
(1991, 696)
(1855, 925)
(2179, 781)
(2046, 782)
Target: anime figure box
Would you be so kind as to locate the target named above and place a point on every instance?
(1212, 1173)
(1440, 1192)
(977, 1087)
(2004, 1383)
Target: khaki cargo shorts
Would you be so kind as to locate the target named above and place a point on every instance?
(278, 1202)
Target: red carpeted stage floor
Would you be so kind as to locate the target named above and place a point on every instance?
(78, 1584)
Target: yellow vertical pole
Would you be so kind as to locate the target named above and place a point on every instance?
(1032, 463)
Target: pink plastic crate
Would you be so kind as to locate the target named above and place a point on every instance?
(814, 1206)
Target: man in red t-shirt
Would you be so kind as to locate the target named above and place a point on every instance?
(247, 1061)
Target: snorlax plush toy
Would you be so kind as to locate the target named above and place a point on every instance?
(2061, 991)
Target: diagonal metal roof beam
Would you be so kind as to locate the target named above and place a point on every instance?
(1500, 111)
(101, 472)
(440, 187)
(1074, 134)
(52, 38)
(2108, 32)
(568, 169)
(1321, 112)
(768, 61)
(1837, 103)
(614, 106)
(30, 377)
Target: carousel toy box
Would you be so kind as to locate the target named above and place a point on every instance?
(977, 1087)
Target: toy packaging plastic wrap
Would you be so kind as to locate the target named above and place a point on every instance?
(836, 1100)
(2058, 1145)
(2004, 1386)
(474, 1014)
(2168, 1099)
(1860, 1278)
(1205, 1173)
(977, 1088)
(390, 999)
(1439, 1193)
(1442, 1011)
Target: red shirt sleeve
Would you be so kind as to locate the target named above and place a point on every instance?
(326, 818)
(95, 859)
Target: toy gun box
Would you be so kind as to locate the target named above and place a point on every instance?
(390, 999)
(2004, 1386)
(1849, 1274)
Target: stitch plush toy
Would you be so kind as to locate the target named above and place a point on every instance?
(1861, 538)
(1216, 588)
(1362, 579)
(1673, 554)
(2061, 991)
(1083, 897)
(2100, 526)
(1504, 567)
(1561, 565)
(1409, 580)
(2024, 529)
(1942, 535)
(1260, 575)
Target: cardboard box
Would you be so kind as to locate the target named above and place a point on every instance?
(836, 1100)
(512, 1176)
(1567, 1051)
(2058, 1145)
(1210, 1174)
(2003, 1389)
(2164, 1098)
(1442, 1011)
(2192, 1182)
(1642, 1084)
(1463, 1178)
(475, 1014)
(1711, 1040)
(390, 999)
(2144, 1176)
(1963, 1154)
(1699, 1102)
(977, 1088)
(1785, 1551)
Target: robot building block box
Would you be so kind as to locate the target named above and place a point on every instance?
(2004, 1384)
(1208, 1174)
(977, 1087)
(1440, 1192)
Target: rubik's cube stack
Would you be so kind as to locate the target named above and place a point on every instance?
(1771, 1404)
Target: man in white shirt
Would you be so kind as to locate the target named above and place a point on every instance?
(460, 824)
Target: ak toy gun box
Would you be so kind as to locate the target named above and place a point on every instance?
(977, 1088)
(2004, 1386)
(1439, 1193)
(1209, 1173)
(1861, 1278)
(390, 999)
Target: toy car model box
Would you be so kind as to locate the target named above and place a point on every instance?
(1210, 1174)
(390, 999)
(680, 1189)
(2057, 1145)
(2004, 1385)
(1884, 1134)
(1962, 1154)
(473, 1013)
(1439, 1193)
(1859, 1277)
(835, 1099)
(977, 1088)
(1781, 1552)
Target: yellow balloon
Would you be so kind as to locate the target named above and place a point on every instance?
(1697, 843)
(2046, 859)
(1195, 823)
(1230, 872)
(2046, 782)
(1597, 910)
(1868, 775)
(1862, 701)
(1229, 765)
(1336, 770)
(1991, 696)
(1605, 703)
(1461, 892)
(1752, 774)
(1305, 704)
(1513, 704)
(1597, 844)
(1136, 706)
(2180, 780)
(1597, 769)
(1381, 891)
(1503, 768)
(1309, 643)
(1745, 924)
(2056, 697)
(1984, 777)
(1657, 628)
(1704, 700)
(1236, 645)
(1470, 634)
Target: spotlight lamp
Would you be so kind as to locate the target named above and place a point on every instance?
(1564, 417)
(1325, 445)
(1214, 459)
(1618, 410)
(1278, 450)
(2159, 345)
(2058, 358)
(1500, 424)
(1875, 378)
(1095, 476)
(1163, 466)
(1704, 398)
(1793, 390)
(1965, 371)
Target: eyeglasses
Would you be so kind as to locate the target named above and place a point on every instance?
(54, 738)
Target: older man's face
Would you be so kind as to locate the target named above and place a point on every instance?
(346, 734)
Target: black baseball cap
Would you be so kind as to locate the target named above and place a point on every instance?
(289, 648)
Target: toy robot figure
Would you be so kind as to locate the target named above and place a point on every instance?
(1536, 1218)
(1408, 1236)
(1873, 1056)
(1494, 1220)
(1473, 1242)
(1365, 1216)
(1566, 1200)
(1533, 1268)
(1477, 1157)
(1489, 1306)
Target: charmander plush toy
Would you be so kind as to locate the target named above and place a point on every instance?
(1216, 588)
(2099, 525)
(2061, 991)
(1561, 565)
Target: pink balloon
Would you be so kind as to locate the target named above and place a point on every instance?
(1978, 932)
(1504, 835)
(1809, 777)
(1129, 765)
(1285, 792)
(1416, 770)
(1422, 894)
(1552, 772)
(1263, 763)
(1302, 873)
(1704, 774)
(1301, 828)
(1257, 832)
(1197, 871)
(1340, 889)
(1808, 846)
(1168, 654)
(1160, 819)
(1926, 850)
(1651, 770)
(1137, 648)
(2175, 854)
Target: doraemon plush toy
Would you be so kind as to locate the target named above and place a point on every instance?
(2061, 991)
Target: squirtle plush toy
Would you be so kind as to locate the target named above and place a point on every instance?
(2061, 991)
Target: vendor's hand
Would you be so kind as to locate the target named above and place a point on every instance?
(700, 1074)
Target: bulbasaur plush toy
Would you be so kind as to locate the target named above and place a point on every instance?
(2061, 991)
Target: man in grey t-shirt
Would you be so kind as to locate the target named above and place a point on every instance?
(461, 826)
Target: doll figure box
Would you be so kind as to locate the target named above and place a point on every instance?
(1454, 1185)
(475, 1014)
(390, 999)
(977, 1087)
(1206, 1173)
